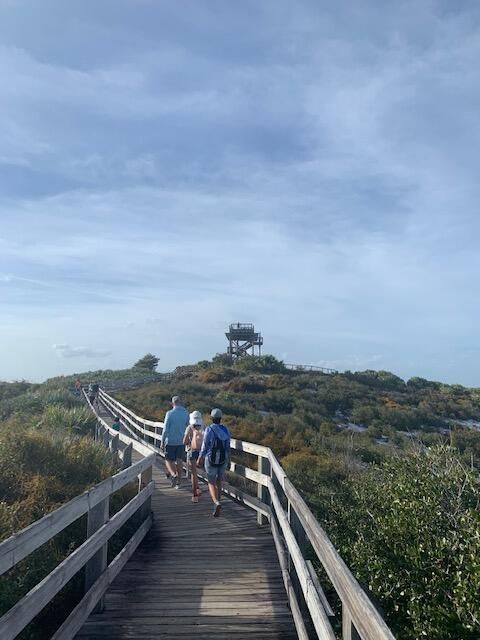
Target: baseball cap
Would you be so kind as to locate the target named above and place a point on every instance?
(216, 413)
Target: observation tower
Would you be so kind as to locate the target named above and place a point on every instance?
(243, 340)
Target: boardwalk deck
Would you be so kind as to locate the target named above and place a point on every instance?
(196, 576)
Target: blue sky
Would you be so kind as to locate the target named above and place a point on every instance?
(167, 168)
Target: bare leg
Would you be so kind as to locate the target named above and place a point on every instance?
(219, 489)
(179, 469)
(193, 467)
(172, 467)
(212, 488)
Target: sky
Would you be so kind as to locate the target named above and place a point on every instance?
(167, 168)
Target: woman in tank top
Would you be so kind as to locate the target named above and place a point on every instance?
(193, 441)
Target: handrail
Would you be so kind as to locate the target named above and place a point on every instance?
(360, 618)
(92, 553)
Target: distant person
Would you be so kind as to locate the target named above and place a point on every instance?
(216, 453)
(176, 420)
(193, 440)
(78, 386)
(95, 390)
(91, 394)
(116, 424)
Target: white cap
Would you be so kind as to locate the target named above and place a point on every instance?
(196, 418)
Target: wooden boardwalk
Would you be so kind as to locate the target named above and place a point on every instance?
(195, 576)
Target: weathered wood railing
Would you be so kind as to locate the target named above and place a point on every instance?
(294, 528)
(92, 554)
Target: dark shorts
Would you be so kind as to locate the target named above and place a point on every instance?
(174, 452)
(193, 455)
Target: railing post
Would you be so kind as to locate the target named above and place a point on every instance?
(262, 492)
(113, 444)
(97, 517)
(300, 537)
(106, 438)
(143, 480)
(127, 456)
(348, 630)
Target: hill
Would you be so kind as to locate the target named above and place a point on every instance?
(388, 466)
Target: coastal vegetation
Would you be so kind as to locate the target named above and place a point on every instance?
(389, 467)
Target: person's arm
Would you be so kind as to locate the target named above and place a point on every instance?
(205, 445)
(187, 438)
(166, 429)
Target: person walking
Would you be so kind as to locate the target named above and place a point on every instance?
(176, 420)
(193, 440)
(216, 453)
(116, 424)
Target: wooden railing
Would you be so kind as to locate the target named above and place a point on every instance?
(310, 367)
(294, 529)
(92, 554)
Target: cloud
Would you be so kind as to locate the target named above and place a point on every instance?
(67, 351)
(315, 174)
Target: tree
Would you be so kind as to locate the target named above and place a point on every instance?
(148, 362)
(261, 364)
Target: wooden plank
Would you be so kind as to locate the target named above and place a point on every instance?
(81, 612)
(246, 472)
(317, 613)
(292, 598)
(238, 584)
(366, 618)
(97, 517)
(116, 403)
(17, 618)
(321, 594)
(348, 630)
(127, 456)
(249, 447)
(277, 469)
(262, 489)
(21, 544)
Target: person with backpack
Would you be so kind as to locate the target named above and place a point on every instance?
(193, 440)
(216, 453)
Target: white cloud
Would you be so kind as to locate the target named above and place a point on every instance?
(67, 351)
(317, 178)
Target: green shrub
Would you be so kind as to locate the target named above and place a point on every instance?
(410, 529)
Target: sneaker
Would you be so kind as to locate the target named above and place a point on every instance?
(216, 511)
(168, 475)
(177, 486)
(173, 480)
(195, 500)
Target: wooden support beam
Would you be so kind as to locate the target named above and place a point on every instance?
(127, 456)
(262, 492)
(113, 444)
(348, 630)
(97, 517)
(144, 480)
